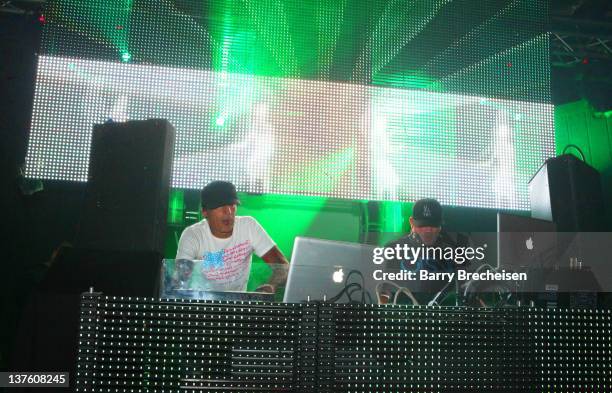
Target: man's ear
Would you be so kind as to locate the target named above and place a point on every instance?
(204, 214)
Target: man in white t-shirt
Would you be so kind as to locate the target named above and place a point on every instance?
(225, 242)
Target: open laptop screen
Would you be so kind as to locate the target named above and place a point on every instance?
(320, 270)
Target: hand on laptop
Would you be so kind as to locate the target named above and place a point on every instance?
(384, 298)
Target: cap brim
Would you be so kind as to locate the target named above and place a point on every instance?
(427, 223)
(223, 203)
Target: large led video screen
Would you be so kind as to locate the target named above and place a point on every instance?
(385, 100)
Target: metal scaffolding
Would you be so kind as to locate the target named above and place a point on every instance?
(575, 41)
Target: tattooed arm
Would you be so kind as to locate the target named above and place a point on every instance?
(279, 265)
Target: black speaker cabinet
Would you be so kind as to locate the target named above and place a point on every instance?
(126, 200)
(568, 191)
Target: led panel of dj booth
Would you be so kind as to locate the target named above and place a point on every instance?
(425, 349)
(171, 345)
(153, 345)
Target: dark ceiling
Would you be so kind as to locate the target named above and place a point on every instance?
(581, 51)
(580, 47)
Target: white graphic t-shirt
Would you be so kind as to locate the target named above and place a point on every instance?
(225, 263)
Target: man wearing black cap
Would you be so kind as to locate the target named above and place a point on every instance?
(425, 230)
(426, 221)
(225, 243)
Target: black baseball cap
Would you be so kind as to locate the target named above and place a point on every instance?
(219, 193)
(427, 213)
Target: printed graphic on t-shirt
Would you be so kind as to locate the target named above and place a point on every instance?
(228, 264)
(213, 260)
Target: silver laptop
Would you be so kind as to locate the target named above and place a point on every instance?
(321, 269)
(525, 242)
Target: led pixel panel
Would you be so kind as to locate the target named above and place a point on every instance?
(129, 344)
(361, 100)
